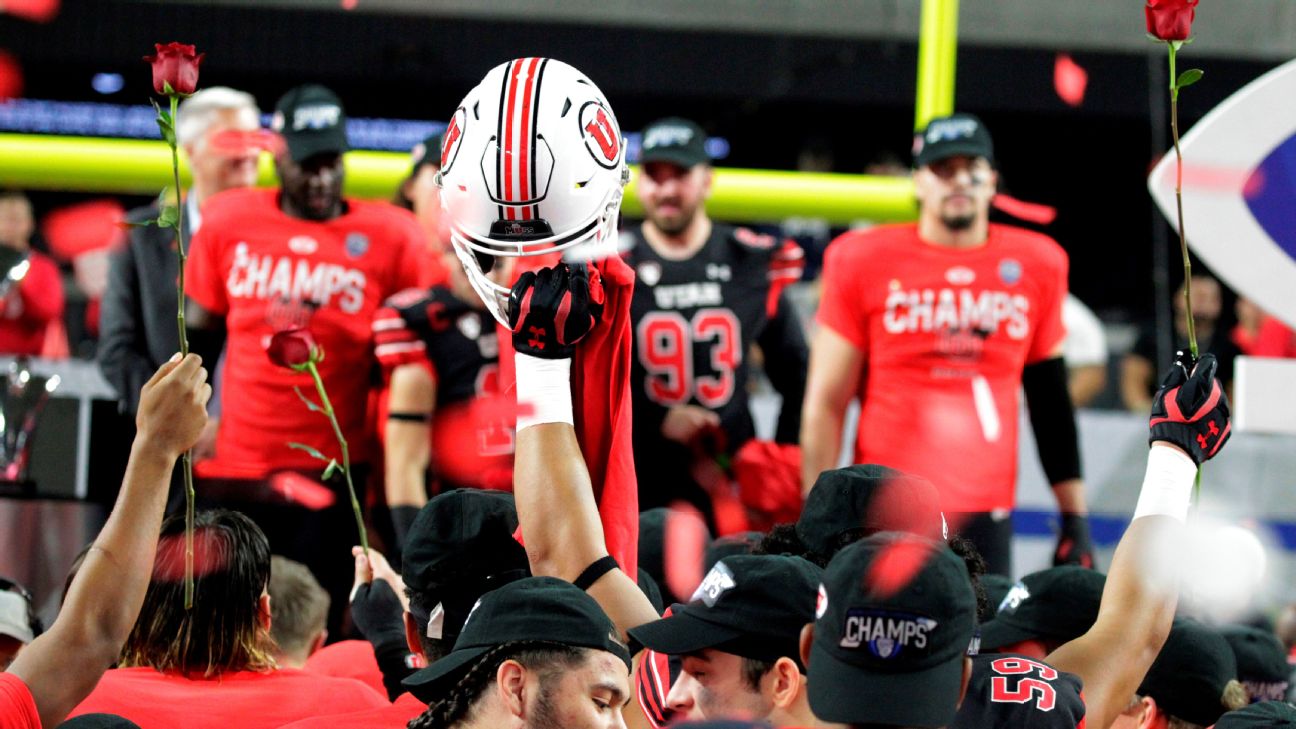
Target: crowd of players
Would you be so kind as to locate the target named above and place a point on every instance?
(534, 394)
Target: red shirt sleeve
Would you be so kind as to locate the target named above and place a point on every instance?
(17, 707)
(41, 291)
(1049, 329)
(841, 301)
(204, 279)
(1274, 339)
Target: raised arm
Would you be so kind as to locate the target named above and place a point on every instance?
(551, 311)
(105, 597)
(836, 369)
(1189, 424)
(407, 442)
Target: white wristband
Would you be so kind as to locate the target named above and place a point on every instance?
(543, 390)
(1167, 485)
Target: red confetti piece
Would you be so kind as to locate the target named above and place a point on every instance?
(40, 11)
(210, 555)
(350, 4)
(11, 78)
(303, 491)
(684, 540)
(1022, 210)
(238, 143)
(896, 566)
(84, 227)
(1070, 80)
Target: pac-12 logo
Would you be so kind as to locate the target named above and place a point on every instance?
(602, 137)
(451, 138)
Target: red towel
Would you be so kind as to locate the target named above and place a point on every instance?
(601, 405)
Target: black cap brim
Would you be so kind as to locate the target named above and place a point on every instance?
(946, 150)
(429, 684)
(302, 147)
(997, 633)
(847, 694)
(682, 633)
(676, 156)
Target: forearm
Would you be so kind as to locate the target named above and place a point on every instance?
(821, 429)
(1070, 496)
(555, 502)
(407, 452)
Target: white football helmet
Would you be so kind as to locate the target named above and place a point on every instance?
(532, 162)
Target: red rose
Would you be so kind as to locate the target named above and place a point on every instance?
(177, 65)
(293, 348)
(1170, 20)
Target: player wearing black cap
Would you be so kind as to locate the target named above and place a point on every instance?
(537, 653)
(1043, 610)
(704, 293)
(1264, 715)
(738, 641)
(460, 546)
(1190, 685)
(897, 615)
(1261, 661)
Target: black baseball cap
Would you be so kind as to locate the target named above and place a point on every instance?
(533, 609)
(1261, 662)
(953, 136)
(752, 606)
(730, 545)
(1059, 603)
(427, 151)
(312, 121)
(1189, 675)
(868, 499)
(896, 615)
(459, 546)
(1264, 715)
(674, 140)
(99, 721)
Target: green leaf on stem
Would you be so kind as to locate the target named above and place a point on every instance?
(313, 453)
(169, 217)
(1189, 77)
(310, 405)
(165, 124)
(330, 469)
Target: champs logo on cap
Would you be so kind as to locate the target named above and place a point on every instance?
(717, 582)
(1015, 597)
(319, 116)
(667, 135)
(944, 130)
(886, 633)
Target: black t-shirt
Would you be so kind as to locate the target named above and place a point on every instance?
(1008, 690)
(694, 321)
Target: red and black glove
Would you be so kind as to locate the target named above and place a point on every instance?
(553, 309)
(1074, 546)
(1191, 410)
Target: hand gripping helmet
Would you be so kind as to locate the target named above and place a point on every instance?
(532, 162)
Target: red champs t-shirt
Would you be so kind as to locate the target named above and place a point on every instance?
(17, 707)
(244, 699)
(401, 712)
(265, 271)
(945, 334)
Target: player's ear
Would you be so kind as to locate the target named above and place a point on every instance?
(807, 639)
(1151, 716)
(786, 682)
(412, 636)
(967, 677)
(511, 686)
(708, 176)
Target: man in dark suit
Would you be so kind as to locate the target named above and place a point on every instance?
(217, 128)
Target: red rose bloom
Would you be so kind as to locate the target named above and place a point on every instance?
(177, 65)
(1170, 20)
(293, 348)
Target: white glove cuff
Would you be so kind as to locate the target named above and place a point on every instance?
(1167, 484)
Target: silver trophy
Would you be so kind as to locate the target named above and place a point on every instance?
(23, 396)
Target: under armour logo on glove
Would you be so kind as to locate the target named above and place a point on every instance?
(1191, 410)
(553, 309)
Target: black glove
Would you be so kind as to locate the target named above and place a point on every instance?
(1191, 410)
(379, 616)
(1074, 545)
(552, 309)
